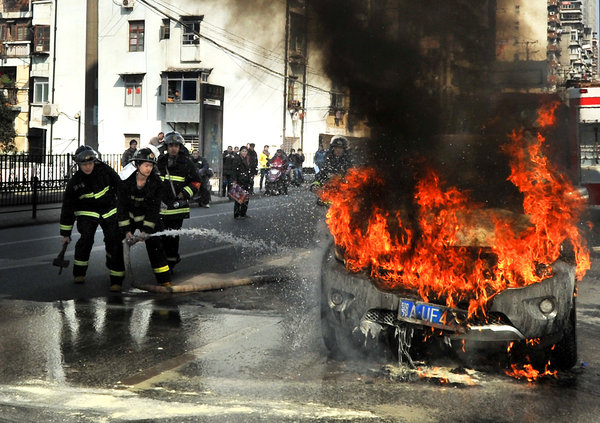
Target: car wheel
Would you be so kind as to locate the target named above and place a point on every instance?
(340, 343)
(564, 354)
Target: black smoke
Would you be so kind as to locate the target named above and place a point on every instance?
(419, 73)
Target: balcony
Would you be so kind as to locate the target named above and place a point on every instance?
(555, 48)
(15, 48)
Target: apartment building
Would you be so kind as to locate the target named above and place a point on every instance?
(16, 35)
(219, 74)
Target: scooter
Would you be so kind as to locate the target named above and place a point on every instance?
(276, 182)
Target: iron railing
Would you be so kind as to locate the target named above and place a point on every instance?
(31, 180)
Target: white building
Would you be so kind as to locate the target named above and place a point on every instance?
(225, 59)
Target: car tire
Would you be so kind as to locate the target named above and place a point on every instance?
(564, 354)
(340, 343)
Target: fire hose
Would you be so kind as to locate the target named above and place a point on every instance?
(202, 282)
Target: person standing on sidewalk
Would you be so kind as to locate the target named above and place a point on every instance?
(139, 208)
(229, 158)
(263, 167)
(253, 158)
(128, 154)
(90, 198)
(180, 184)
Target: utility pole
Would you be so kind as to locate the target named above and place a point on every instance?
(91, 74)
(285, 68)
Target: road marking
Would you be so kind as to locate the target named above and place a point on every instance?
(115, 404)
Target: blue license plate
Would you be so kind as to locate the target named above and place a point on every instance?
(422, 313)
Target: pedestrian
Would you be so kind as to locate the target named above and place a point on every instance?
(242, 177)
(139, 209)
(236, 150)
(128, 154)
(228, 169)
(90, 198)
(180, 184)
(253, 164)
(205, 173)
(319, 159)
(297, 168)
(263, 157)
(162, 148)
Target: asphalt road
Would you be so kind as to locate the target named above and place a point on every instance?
(250, 353)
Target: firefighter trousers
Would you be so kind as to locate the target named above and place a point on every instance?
(112, 245)
(171, 243)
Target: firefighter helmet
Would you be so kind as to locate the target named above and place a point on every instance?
(144, 155)
(173, 138)
(85, 154)
(339, 142)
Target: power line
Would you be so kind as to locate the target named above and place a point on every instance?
(227, 49)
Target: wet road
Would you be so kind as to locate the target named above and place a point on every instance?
(250, 353)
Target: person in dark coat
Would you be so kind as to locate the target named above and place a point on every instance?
(139, 208)
(180, 184)
(253, 164)
(128, 154)
(229, 159)
(242, 177)
(90, 198)
(205, 173)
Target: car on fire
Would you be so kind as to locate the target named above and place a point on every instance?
(357, 312)
(374, 288)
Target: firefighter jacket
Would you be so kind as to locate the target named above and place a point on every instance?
(92, 196)
(139, 207)
(178, 174)
(334, 165)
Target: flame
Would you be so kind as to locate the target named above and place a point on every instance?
(430, 250)
(528, 372)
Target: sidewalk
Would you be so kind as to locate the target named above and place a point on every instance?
(50, 213)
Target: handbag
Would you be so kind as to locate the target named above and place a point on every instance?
(237, 193)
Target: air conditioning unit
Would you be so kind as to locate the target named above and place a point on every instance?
(128, 4)
(50, 110)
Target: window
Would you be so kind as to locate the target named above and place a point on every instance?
(136, 35)
(133, 94)
(165, 30)
(41, 38)
(40, 90)
(191, 31)
(182, 87)
(21, 33)
(337, 100)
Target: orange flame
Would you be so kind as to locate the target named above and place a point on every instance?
(425, 252)
(528, 372)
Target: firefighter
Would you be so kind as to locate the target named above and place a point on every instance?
(180, 184)
(91, 199)
(337, 161)
(139, 208)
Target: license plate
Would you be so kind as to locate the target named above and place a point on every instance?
(425, 314)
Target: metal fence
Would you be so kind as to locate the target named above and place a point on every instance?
(31, 180)
(27, 181)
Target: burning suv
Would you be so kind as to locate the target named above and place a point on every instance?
(447, 268)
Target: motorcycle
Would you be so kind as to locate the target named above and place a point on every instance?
(276, 182)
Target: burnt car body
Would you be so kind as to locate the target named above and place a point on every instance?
(356, 312)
